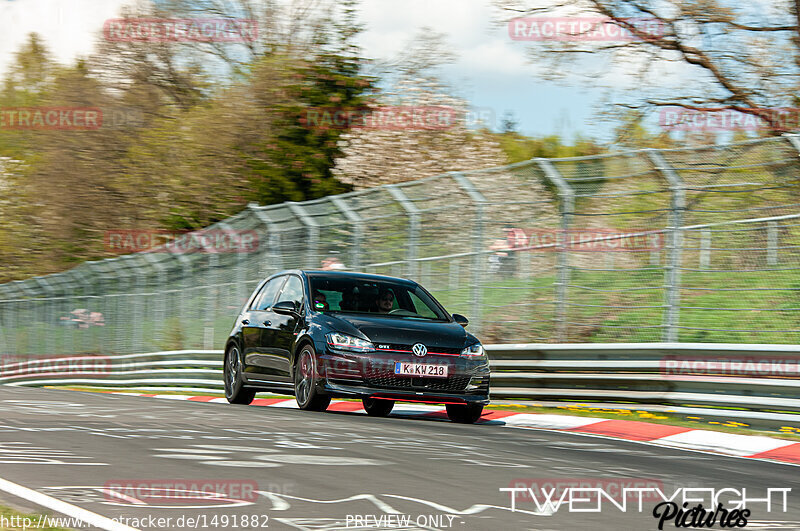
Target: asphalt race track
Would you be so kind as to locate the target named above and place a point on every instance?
(151, 461)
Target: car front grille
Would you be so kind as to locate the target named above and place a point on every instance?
(398, 347)
(388, 380)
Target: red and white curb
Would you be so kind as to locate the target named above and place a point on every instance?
(752, 446)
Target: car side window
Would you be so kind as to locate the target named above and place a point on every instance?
(292, 291)
(420, 308)
(267, 296)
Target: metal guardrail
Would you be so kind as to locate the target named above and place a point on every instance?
(754, 378)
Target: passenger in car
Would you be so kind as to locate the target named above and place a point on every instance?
(320, 301)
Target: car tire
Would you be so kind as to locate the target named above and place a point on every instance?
(376, 407)
(235, 391)
(305, 382)
(464, 413)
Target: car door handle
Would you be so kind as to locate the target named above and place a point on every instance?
(245, 321)
(267, 323)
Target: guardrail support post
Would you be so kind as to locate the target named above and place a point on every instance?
(567, 199)
(675, 246)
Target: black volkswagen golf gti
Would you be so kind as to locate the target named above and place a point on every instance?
(324, 334)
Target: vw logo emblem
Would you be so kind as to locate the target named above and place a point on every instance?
(419, 350)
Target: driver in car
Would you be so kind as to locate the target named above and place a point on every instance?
(385, 301)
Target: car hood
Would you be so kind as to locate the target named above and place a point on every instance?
(395, 330)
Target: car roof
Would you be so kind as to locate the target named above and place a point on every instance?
(344, 274)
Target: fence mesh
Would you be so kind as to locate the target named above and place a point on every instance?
(696, 245)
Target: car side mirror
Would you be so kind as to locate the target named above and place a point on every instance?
(285, 308)
(460, 319)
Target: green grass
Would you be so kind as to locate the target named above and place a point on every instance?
(608, 316)
(14, 517)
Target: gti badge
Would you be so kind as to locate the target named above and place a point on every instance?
(419, 350)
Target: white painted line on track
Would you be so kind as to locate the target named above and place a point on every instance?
(88, 517)
(726, 443)
(528, 420)
(173, 397)
(290, 404)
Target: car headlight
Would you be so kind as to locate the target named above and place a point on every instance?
(474, 352)
(345, 342)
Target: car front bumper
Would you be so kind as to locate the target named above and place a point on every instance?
(403, 395)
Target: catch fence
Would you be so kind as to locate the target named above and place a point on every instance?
(690, 245)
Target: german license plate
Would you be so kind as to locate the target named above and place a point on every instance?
(420, 370)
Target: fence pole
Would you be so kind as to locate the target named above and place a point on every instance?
(186, 291)
(312, 228)
(478, 258)
(413, 229)
(25, 315)
(49, 314)
(567, 199)
(272, 248)
(357, 225)
(160, 305)
(672, 271)
(772, 243)
(705, 249)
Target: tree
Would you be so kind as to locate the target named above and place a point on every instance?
(376, 153)
(695, 54)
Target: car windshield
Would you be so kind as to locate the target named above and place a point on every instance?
(380, 297)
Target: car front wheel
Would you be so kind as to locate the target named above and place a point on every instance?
(305, 383)
(235, 391)
(464, 413)
(377, 408)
